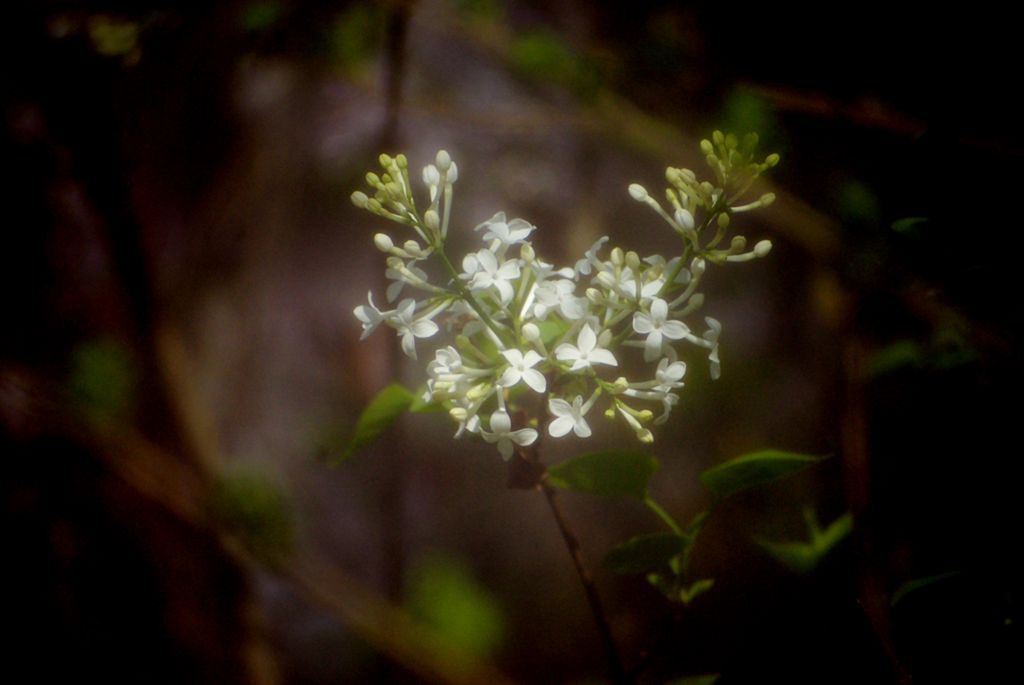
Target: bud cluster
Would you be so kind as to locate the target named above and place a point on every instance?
(547, 340)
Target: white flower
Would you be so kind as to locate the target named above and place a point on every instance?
(409, 328)
(370, 316)
(482, 272)
(559, 294)
(569, 417)
(590, 260)
(670, 375)
(521, 368)
(502, 434)
(585, 352)
(655, 326)
(508, 232)
(400, 279)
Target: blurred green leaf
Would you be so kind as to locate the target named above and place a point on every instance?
(545, 56)
(902, 354)
(745, 112)
(708, 679)
(253, 509)
(804, 557)
(261, 15)
(103, 379)
(912, 586)
(909, 225)
(695, 589)
(356, 34)
(857, 203)
(422, 406)
(113, 36)
(612, 473)
(753, 469)
(444, 595)
(645, 553)
(383, 410)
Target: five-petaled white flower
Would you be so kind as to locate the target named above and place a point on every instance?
(370, 316)
(569, 417)
(482, 271)
(521, 368)
(670, 374)
(585, 352)
(409, 328)
(655, 326)
(501, 433)
(508, 232)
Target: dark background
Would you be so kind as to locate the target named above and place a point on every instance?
(179, 360)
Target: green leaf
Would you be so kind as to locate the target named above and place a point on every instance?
(753, 469)
(383, 410)
(444, 595)
(916, 584)
(695, 589)
(909, 224)
(645, 553)
(707, 679)
(613, 473)
(254, 509)
(804, 557)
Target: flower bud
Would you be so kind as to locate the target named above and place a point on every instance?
(453, 174)
(413, 248)
(373, 179)
(605, 337)
(531, 332)
(402, 162)
(738, 244)
(637, 192)
(527, 253)
(618, 256)
(609, 413)
(373, 205)
(385, 160)
(723, 220)
(772, 159)
(594, 295)
(697, 267)
(458, 414)
(645, 436)
(644, 415)
(431, 219)
(620, 385)
(632, 260)
(395, 263)
(685, 219)
(443, 160)
(359, 199)
(706, 147)
(431, 176)
(762, 248)
(767, 199)
(383, 242)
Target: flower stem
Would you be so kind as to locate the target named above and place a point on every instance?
(663, 515)
(617, 672)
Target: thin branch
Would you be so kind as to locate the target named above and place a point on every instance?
(617, 672)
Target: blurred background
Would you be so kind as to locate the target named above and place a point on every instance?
(179, 363)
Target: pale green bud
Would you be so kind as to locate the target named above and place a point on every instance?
(373, 179)
(644, 415)
(531, 332)
(637, 192)
(402, 162)
(620, 385)
(723, 220)
(359, 199)
(738, 244)
(762, 248)
(527, 253)
(772, 159)
(443, 160)
(645, 436)
(618, 256)
(477, 392)
(383, 242)
(633, 260)
(594, 295)
(432, 221)
(685, 219)
(718, 137)
(604, 338)
(767, 199)
(373, 204)
(609, 413)
(385, 161)
(706, 147)
(413, 248)
(458, 414)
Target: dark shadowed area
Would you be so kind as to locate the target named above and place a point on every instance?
(181, 370)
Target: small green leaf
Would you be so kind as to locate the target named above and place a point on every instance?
(645, 553)
(804, 557)
(443, 594)
(909, 224)
(753, 469)
(613, 473)
(383, 410)
(707, 679)
(916, 584)
(695, 589)
(256, 511)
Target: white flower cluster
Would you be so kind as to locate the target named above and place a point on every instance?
(531, 339)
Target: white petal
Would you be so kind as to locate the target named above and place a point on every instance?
(505, 448)
(409, 344)
(523, 436)
(603, 356)
(560, 426)
(510, 377)
(470, 264)
(487, 260)
(514, 356)
(642, 323)
(674, 330)
(566, 351)
(504, 290)
(559, 407)
(659, 309)
(531, 358)
(652, 348)
(581, 428)
(586, 340)
(535, 379)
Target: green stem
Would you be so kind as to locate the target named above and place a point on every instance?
(466, 295)
(663, 515)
